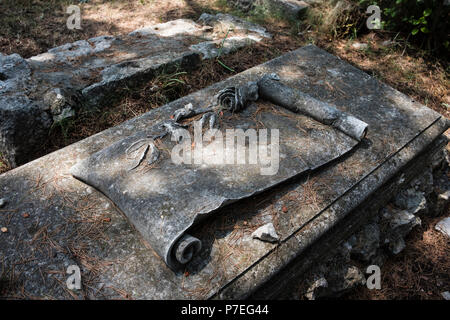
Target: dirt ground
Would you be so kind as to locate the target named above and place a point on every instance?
(30, 27)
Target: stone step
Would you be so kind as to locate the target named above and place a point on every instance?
(53, 220)
(47, 88)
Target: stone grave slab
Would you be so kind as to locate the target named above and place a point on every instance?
(163, 202)
(68, 222)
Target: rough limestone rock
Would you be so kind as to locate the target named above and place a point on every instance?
(396, 245)
(266, 233)
(395, 225)
(218, 272)
(401, 222)
(412, 200)
(364, 244)
(225, 22)
(344, 279)
(360, 46)
(291, 8)
(444, 226)
(338, 280)
(45, 89)
(441, 188)
(424, 182)
(317, 289)
(441, 203)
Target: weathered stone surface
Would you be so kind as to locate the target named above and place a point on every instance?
(444, 226)
(52, 86)
(227, 22)
(317, 289)
(212, 49)
(440, 197)
(292, 8)
(401, 222)
(396, 245)
(145, 197)
(266, 233)
(231, 264)
(332, 258)
(364, 245)
(339, 279)
(360, 46)
(343, 279)
(413, 201)
(442, 201)
(424, 182)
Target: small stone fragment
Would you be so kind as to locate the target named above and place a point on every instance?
(26, 215)
(387, 43)
(442, 202)
(396, 246)
(316, 289)
(266, 233)
(444, 226)
(360, 46)
(2, 202)
(4, 229)
(446, 295)
(412, 200)
(401, 222)
(365, 243)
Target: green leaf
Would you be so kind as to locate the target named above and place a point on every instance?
(424, 30)
(414, 32)
(427, 12)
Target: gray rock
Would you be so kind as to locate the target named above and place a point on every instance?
(440, 160)
(227, 22)
(266, 233)
(441, 203)
(343, 279)
(65, 114)
(212, 49)
(401, 222)
(317, 289)
(22, 128)
(388, 43)
(424, 182)
(171, 28)
(2, 202)
(364, 244)
(291, 8)
(397, 245)
(446, 295)
(412, 200)
(360, 46)
(444, 226)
